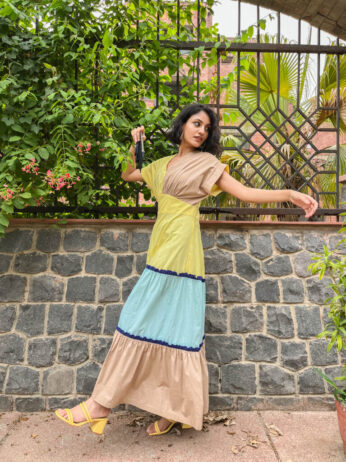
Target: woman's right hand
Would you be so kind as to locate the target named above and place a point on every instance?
(136, 134)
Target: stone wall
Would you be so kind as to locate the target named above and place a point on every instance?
(62, 289)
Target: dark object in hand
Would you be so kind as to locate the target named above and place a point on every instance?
(139, 152)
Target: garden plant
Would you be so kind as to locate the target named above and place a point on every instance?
(73, 84)
(298, 120)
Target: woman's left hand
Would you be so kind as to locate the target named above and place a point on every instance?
(306, 202)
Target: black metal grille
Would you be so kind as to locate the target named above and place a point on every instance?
(272, 155)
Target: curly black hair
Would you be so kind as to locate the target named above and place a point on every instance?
(212, 143)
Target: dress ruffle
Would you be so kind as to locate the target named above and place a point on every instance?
(166, 381)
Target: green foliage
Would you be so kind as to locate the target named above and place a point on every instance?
(332, 264)
(340, 394)
(73, 86)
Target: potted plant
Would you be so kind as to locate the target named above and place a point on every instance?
(332, 264)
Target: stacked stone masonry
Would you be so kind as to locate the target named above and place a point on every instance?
(62, 290)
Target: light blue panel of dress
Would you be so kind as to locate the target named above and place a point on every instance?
(166, 309)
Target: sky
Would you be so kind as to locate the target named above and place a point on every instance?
(226, 15)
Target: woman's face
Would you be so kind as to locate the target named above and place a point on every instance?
(196, 129)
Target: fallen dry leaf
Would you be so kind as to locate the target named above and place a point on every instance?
(253, 443)
(205, 428)
(34, 435)
(216, 417)
(274, 430)
(230, 433)
(235, 450)
(136, 422)
(251, 440)
(177, 431)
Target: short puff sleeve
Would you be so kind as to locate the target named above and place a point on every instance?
(215, 190)
(213, 169)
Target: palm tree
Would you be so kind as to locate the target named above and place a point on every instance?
(287, 124)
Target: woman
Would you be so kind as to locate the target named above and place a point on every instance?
(157, 358)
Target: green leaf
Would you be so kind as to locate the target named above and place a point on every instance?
(7, 121)
(68, 119)
(3, 220)
(262, 23)
(40, 192)
(26, 195)
(18, 203)
(107, 39)
(330, 381)
(18, 128)
(7, 208)
(14, 139)
(43, 153)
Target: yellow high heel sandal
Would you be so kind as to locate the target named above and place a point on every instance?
(168, 429)
(96, 425)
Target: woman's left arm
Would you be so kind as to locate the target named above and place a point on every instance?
(260, 196)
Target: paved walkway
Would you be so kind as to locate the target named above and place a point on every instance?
(266, 436)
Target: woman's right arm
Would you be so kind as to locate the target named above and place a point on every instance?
(132, 173)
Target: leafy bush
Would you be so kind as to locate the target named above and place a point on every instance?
(75, 79)
(332, 263)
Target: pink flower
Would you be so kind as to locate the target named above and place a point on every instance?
(77, 178)
(67, 175)
(88, 146)
(80, 145)
(102, 149)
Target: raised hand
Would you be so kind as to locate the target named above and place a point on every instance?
(136, 134)
(306, 202)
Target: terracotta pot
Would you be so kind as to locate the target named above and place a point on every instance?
(341, 411)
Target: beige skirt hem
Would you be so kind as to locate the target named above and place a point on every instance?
(168, 382)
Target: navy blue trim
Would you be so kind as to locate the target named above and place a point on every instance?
(159, 342)
(173, 273)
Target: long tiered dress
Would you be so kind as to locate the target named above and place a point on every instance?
(157, 358)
